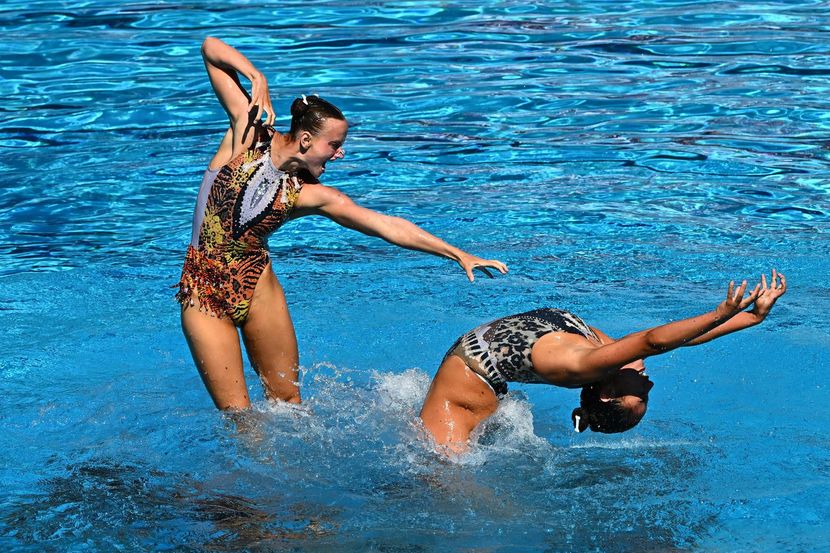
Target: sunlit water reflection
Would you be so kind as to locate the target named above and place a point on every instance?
(625, 159)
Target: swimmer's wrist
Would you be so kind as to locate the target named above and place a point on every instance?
(746, 319)
(254, 75)
(454, 254)
(721, 314)
(758, 315)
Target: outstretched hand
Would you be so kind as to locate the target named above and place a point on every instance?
(769, 294)
(471, 262)
(735, 301)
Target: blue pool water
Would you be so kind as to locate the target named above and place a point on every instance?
(626, 159)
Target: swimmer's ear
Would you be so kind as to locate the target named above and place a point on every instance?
(305, 141)
(579, 418)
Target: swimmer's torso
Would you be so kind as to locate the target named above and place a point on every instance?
(499, 351)
(238, 207)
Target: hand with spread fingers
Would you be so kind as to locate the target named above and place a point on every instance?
(735, 301)
(470, 263)
(769, 294)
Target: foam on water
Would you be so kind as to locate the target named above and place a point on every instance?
(343, 408)
(402, 392)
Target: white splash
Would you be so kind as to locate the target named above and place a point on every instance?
(403, 392)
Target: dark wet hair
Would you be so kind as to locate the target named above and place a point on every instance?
(308, 114)
(608, 417)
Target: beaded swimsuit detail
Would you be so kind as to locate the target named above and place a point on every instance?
(238, 207)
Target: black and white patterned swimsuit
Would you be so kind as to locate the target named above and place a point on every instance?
(499, 351)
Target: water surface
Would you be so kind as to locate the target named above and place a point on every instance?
(625, 159)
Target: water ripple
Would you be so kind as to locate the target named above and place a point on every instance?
(613, 153)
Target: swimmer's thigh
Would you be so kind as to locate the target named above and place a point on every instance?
(214, 344)
(457, 401)
(270, 340)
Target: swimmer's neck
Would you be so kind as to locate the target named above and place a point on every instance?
(285, 153)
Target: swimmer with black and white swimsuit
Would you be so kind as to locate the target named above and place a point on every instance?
(499, 351)
(552, 346)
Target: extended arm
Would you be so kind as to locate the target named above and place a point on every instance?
(326, 201)
(587, 365)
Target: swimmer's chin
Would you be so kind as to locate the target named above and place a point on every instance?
(315, 172)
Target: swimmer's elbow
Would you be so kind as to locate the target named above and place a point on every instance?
(388, 228)
(655, 344)
(212, 50)
(207, 44)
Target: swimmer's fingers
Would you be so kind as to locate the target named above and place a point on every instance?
(492, 263)
(739, 293)
(256, 92)
(257, 109)
(469, 267)
(501, 267)
(254, 113)
(735, 300)
(266, 104)
(260, 97)
(269, 109)
(483, 265)
(777, 289)
(747, 301)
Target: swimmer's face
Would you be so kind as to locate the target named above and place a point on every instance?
(630, 387)
(327, 145)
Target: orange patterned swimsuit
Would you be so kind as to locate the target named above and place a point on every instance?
(238, 206)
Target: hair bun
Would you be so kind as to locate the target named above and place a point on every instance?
(579, 418)
(298, 107)
(309, 113)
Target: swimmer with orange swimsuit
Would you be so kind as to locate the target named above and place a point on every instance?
(257, 180)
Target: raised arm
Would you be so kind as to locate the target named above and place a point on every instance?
(224, 64)
(585, 365)
(317, 199)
